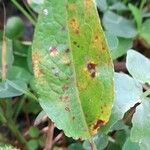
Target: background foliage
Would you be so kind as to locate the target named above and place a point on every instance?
(23, 123)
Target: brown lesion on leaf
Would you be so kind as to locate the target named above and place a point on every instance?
(64, 98)
(96, 41)
(76, 44)
(67, 109)
(74, 25)
(91, 68)
(36, 57)
(98, 124)
(65, 88)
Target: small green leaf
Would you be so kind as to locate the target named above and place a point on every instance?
(137, 15)
(145, 30)
(112, 41)
(118, 25)
(11, 88)
(33, 145)
(119, 6)
(18, 73)
(141, 121)
(34, 132)
(138, 66)
(124, 45)
(75, 146)
(129, 145)
(14, 27)
(144, 143)
(102, 5)
(127, 95)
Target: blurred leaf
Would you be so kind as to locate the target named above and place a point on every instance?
(36, 5)
(7, 147)
(2, 116)
(118, 25)
(119, 125)
(102, 5)
(112, 41)
(123, 46)
(145, 143)
(34, 132)
(18, 73)
(33, 145)
(20, 48)
(121, 136)
(73, 73)
(113, 146)
(145, 31)
(10, 88)
(75, 146)
(138, 66)
(141, 121)
(29, 61)
(137, 15)
(119, 6)
(127, 93)
(129, 145)
(146, 15)
(33, 107)
(100, 140)
(14, 27)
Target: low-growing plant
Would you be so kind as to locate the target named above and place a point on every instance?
(79, 84)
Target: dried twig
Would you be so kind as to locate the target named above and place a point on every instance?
(49, 140)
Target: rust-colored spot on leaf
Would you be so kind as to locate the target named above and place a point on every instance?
(74, 25)
(91, 67)
(65, 88)
(88, 3)
(64, 98)
(53, 51)
(67, 109)
(36, 59)
(98, 124)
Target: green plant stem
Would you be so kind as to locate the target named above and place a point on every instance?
(22, 101)
(23, 11)
(12, 126)
(29, 10)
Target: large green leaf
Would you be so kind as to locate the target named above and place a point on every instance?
(118, 25)
(138, 66)
(12, 88)
(130, 145)
(127, 94)
(123, 45)
(141, 122)
(145, 30)
(72, 67)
